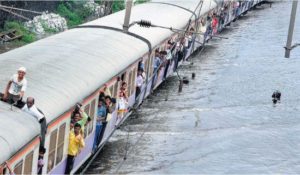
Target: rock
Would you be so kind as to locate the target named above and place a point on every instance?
(96, 9)
(47, 22)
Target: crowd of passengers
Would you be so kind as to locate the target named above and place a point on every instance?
(14, 93)
(106, 105)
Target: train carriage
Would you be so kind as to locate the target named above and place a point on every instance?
(74, 66)
(19, 140)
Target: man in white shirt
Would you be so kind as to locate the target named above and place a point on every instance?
(32, 110)
(16, 86)
(139, 82)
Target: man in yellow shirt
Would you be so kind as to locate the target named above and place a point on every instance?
(76, 143)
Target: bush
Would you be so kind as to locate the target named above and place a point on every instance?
(27, 37)
(118, 5)
(74, 12)
(72, 18)
(140, 1)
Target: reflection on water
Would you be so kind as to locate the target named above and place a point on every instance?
(224, 120)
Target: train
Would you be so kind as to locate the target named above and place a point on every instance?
(75, 65)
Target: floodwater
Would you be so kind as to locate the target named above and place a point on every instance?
(224, 121)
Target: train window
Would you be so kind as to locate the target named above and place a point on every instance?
(52, 150)
(18, 168)
(129, 87)
(60, 143)
(28, 163)
(92, 114)
(115, 93)
(123, 77)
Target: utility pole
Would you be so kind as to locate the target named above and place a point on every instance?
(127, 15)
(289, 46)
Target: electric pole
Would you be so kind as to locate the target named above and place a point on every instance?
(289, 46)
(127, 15)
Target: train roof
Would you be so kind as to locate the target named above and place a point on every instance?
(67, 67)
(17, 129)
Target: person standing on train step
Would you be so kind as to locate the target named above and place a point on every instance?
(76, 143)
(80, 116)
(31, 109)
(123, 89)
(139, 82)
(41, 162)
(121, 107)
(101, 115)
(157, 61)
(106, 90)
(16, 86)
(214, 24)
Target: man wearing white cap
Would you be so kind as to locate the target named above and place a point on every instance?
(16, 86)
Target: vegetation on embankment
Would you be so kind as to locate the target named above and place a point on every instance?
(27, 36)
(73, 11)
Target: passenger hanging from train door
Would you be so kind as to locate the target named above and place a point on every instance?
(139, 82)
(236, 6)
(166, 59)
(156, 65)
(106, 90)
(80, 117)
(141, 66)
(186, 45)
(105, 98)
(41, 162)
(208, 31)
(175, 57)
(76, 143)
(101, 117)
(190, 36)
(16, 87)
(157, 61)
(109, 108)
(202, 30)
(124, 90)
(221, 19)
(179, 54)
(121, 106)
(214, 24)
(31, 109)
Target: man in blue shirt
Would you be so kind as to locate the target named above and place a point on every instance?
(101, 116)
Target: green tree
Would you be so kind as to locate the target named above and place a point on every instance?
(118, 5)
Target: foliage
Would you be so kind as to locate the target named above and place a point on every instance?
(140, 1)
(72, 18)
(47, 29)
(28, 37)
(118, 5)
(74, 11)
